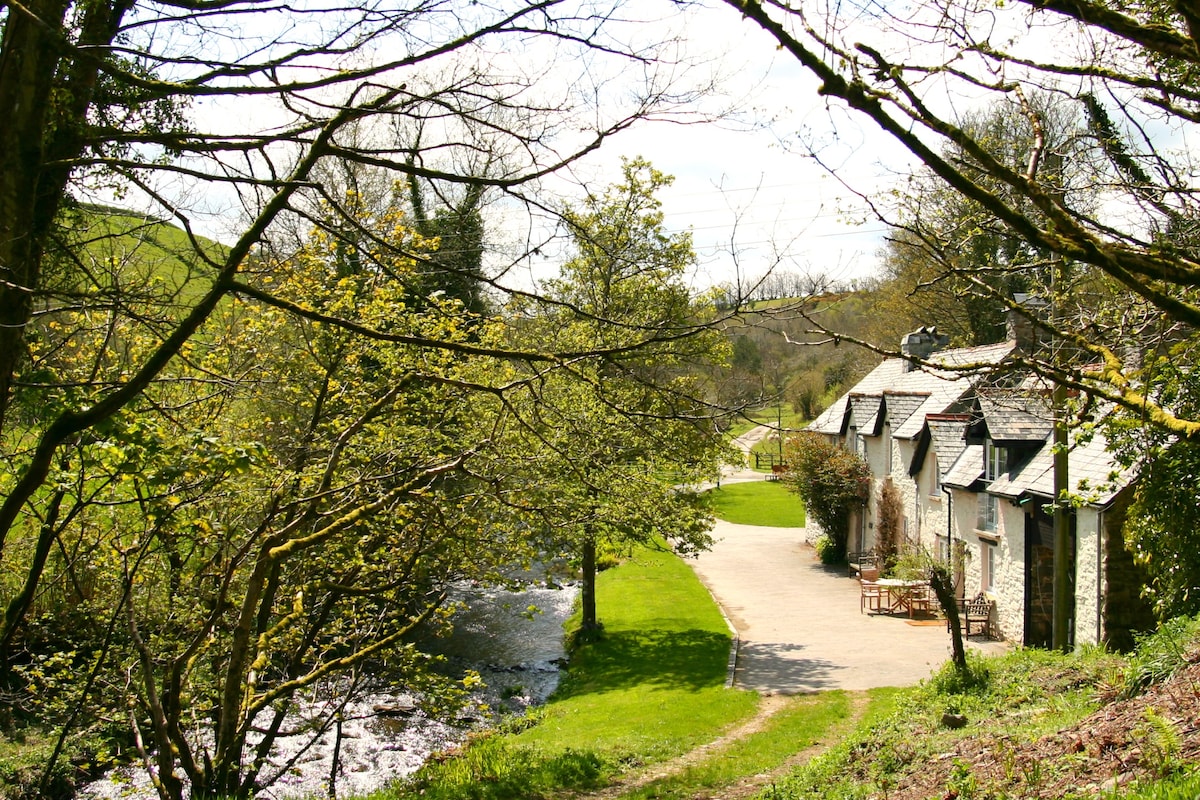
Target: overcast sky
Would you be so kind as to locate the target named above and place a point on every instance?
(746, 188)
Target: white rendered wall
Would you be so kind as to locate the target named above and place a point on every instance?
(1009, 587)
(1088, 571)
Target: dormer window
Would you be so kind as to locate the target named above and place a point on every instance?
(996, 461)
(995, 464)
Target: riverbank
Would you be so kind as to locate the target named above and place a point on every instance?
(651, 688)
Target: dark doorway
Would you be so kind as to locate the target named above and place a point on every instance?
(1039, 576)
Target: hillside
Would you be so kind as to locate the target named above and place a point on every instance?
(1038, 725)
(141, 249)
(1140, 739)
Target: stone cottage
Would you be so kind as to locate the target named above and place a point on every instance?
(965, 442)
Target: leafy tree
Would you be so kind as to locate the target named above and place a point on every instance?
(1136, 63)
(456, 268)
(226, 466)
(84, 115)
(623, 478)
(950, 259)
(290, 526)
(1162, 522)
(831, 480)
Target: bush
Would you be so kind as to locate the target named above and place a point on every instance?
(23, 763)
(1160, 654)
(975, 679)
(832, 481)
(827, 549)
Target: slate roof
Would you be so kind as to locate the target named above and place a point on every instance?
(1014, 418)
(947, 397)
(945, 434)
(1091, 472)
(901, 405)
(865, 411)
(942, 388)
(932, 405)
(967, 469)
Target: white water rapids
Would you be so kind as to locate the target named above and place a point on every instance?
(517, 652)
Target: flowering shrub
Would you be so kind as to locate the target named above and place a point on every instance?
(832, 481)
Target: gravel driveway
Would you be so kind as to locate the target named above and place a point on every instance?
(799, 624)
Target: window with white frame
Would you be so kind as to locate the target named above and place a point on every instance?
(989, 513)
(887, 449)
(996, 463)
(987, 565)
(935, 478)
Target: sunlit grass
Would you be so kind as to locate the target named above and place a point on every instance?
(654, 684)
(805, 722)
(758, 503)
(651, 687)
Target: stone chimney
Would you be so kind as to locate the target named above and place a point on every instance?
(921, 344)
(1022, 328)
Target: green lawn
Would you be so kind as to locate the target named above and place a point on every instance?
(659, 670)
(758, 503)
(652, 687)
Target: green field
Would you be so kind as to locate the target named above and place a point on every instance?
(758, 503)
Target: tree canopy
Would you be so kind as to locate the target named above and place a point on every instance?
(620, 478)
(1109, 199)
(833, 482)
(236, 471)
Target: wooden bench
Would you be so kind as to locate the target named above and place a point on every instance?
(976, 611)
(860, 560)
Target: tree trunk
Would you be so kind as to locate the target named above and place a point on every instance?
(27, 65)
(45, 98)
(943, 589)
(589, 624)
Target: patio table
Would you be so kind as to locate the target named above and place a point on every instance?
(901, 593)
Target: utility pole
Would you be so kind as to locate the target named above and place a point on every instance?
(1064, 553)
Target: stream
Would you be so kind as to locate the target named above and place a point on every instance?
(513, 639)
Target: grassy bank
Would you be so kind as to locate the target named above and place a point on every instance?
(653, 687)
(758, 503)
(1030, 724)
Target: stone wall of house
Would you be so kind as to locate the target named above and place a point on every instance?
(1008, 588)
(1126, 612)
(812, 529)
(963, 510)
(902, 452)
